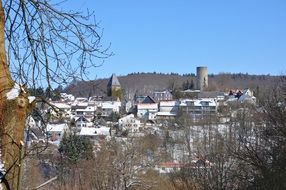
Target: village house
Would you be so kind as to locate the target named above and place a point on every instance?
(199, 108)
(79, 103)
(82, 121)
(162, 95)
(129, 123)
(61, 110)
(147, 109)
(241, 96)
(168, 109)
(55, 132)
(88, 111)
(108, 107)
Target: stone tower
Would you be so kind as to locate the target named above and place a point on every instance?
(202, 78)
(114, 87)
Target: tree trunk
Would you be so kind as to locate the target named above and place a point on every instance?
(13, 114)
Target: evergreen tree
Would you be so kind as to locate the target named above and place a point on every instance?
(75, 147)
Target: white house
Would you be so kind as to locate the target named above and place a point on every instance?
(199, 108)
(241, 96)
(109, 107)
(88, 111)
(162, 95)
(83, 122)
(129, 123)
(247, 97)
(147, 111)
(56, 131)
(93, 132)
(168, 109)
(62, 110)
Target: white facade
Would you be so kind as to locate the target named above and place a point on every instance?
(82, 122)
(56, 131)
(147, 111)
(87, 111)
(247, 97)
(129, 123)
(62, 109)
(109, 107)
(169, 106)
(162, 95)
(199, 108)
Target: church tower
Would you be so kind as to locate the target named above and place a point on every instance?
(114, 87)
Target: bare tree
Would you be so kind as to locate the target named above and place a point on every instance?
(41, 44)
(261, 151)
(121, 165)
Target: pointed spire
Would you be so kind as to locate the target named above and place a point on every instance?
(113, 81)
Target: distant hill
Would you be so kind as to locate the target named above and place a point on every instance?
(146, 83)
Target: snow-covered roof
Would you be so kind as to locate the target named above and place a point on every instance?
(147, 106)
(56, 127)
(246, 97)
(166, 114)
(92, 131)
(189, 91)
(127, 116)
(199, 102)
(61, 105)
(82, 118)
(169, 103)
(81, 99)
(108, 105)
(80, 104)
(89, 108)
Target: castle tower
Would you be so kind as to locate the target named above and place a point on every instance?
(202, 78)
(114, 87)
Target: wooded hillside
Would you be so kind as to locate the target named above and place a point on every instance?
(146, 83)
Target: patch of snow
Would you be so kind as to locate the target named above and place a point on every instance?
(14, 92)
(31, 98)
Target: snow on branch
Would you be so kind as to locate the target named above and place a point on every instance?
(14, 92)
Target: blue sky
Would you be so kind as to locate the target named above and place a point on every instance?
(247, 36)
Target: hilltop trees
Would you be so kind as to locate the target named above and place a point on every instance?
(40, 44)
